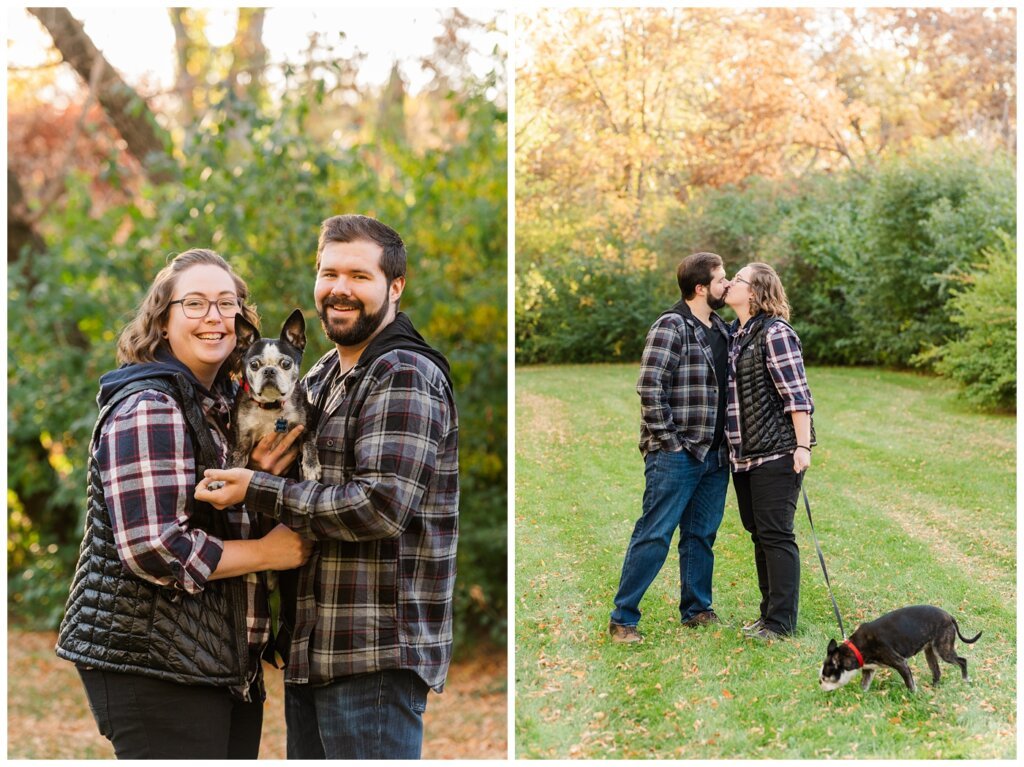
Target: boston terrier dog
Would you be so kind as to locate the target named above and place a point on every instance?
(889, 641)
(272, 397)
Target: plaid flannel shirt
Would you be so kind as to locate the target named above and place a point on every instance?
(147, 466)
(377, 592)
(678, 388)
(786, 364)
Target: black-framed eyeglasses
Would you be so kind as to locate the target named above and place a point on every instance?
(197, 307)
(740, 279)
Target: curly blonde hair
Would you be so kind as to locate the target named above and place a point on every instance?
(142, 337)
(766, 292)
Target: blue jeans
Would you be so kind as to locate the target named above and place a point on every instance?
(365, 716)
(680, 492)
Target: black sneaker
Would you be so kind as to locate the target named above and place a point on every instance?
(765, 634)
(754, 627)
(702, 619)
(624, 634)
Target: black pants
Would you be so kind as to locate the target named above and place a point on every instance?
(146, 718)
(767, 497)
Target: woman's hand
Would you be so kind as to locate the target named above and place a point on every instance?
(283, 549)
(230, 490)
(275, 453)
(801, 459)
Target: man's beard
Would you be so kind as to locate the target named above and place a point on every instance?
(716, 303)
(364, 326)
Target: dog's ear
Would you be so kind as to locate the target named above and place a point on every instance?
(294, 330)
(246, 334)
(832, 646)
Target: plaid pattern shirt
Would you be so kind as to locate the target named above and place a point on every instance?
(147, 465)
(677, 386)
(377, 592)
(786, 364)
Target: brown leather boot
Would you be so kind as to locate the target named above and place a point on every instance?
(624, 634)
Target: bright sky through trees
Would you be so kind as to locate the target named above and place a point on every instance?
(139, 41)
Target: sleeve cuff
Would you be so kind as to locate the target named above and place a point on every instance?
(265, 494)
(192, 577)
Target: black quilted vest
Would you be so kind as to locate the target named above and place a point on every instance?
(765, 427)
(115, 621)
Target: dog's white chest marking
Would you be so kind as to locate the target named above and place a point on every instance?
(255, 423)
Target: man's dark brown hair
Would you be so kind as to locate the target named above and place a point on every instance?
(353, 227)
(696, 270)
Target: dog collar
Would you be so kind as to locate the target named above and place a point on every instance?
(277, 405)
(856, 653)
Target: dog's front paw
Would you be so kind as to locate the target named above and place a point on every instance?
(215, 485)
(311, 470)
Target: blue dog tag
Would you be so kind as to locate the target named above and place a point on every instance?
(281, 425)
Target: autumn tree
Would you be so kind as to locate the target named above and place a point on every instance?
(926, 72)
(135, 123)
(625, 111)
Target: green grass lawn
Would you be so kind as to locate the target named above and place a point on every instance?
(913, 498)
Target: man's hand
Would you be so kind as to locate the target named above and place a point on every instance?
(283, 549)
(801, 459)
(275, 452)
(230, 493)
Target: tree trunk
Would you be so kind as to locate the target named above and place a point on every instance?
(391, 112)
(185, 81)
(21, 234)
(249, 55)
(126, 109)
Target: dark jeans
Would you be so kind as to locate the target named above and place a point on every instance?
(366, 716)
(767, 497)
(146, 718)
(682, 492)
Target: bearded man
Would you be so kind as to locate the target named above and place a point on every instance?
(367, 623)
(682, 388)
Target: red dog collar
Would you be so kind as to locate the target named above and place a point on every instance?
(265, 405)
(856, 653)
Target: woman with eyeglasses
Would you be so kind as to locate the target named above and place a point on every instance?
(168, 615)
(768, 427)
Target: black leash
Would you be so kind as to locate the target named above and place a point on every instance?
(821, 558)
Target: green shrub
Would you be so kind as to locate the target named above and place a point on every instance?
(814, 249)
(984, 358)
(588, 310)
(734, 222)
(927, 218)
